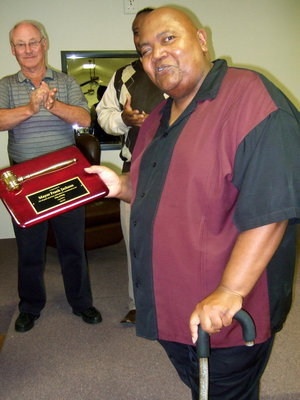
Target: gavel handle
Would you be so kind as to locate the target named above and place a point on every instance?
(47, 170)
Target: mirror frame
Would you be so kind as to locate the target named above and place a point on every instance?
(65, 54)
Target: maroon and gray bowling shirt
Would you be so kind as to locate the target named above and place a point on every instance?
(231, 162)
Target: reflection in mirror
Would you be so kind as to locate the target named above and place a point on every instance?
(94, 69)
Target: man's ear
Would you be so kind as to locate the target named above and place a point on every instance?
(12, 49)
(45, 43)
(202, 39)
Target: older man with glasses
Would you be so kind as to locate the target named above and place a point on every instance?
(38, 107)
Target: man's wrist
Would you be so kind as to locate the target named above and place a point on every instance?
(125, 121)
(228, 290)
(30, 110)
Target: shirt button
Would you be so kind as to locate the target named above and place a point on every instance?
(154, 164)
(143, 194)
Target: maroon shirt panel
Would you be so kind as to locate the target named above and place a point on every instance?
(193, 229)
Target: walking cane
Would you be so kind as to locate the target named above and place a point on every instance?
(203, 348)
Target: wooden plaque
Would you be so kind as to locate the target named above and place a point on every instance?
(43, 187)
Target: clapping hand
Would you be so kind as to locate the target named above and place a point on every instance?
(43, 96)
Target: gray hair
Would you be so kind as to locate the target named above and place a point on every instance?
(35, 24)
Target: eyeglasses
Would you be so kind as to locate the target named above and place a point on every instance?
(34, 44)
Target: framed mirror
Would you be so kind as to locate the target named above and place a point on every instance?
(92, 69)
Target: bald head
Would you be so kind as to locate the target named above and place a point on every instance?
(175, 15)
(174, 52)
(34, 24)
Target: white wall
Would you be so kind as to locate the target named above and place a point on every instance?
(261, 34)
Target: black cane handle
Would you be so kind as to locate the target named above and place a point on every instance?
(248, 328)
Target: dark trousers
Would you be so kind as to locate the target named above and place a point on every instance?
(69, 233)
(234, 372)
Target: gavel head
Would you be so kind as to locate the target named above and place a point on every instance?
(11, 181)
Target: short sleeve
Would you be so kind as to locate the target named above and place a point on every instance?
(75, 94)
(4, 93)
(267, 172)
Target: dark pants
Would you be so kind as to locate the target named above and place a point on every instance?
(69, 233)
(234, 372)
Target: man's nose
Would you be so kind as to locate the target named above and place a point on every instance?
(27, 47)
(158, 51)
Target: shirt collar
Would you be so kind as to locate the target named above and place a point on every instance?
(22, 78)
(212, 82)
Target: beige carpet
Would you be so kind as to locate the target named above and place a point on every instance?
(63, 358)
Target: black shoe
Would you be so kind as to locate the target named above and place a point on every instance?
(25, 322)
(129, 317)
(91, 315)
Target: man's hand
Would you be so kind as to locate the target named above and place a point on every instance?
(49, 103)
(249, 257)
(109, 177)
(43, 96)
(119, 185)
(132, 117)
(215, 311)
(39, 97)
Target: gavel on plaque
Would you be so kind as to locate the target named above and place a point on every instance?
(14, 182)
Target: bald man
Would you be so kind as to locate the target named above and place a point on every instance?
(212, 219)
